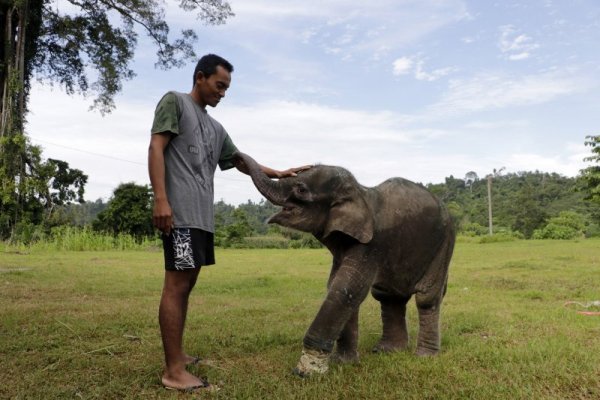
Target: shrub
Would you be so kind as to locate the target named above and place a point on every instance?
(473, 229)
(567, 225)
(592, 230)
(498, 237)
(264, 242)
(26, 233)
(306, 242)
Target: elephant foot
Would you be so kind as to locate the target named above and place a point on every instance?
(389, 347)
(425, 352)
(345, 357)
(312, 362)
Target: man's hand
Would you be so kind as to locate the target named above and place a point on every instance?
(292, 171)
(162, 216)
(271, 173)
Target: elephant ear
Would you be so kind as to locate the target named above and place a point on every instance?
(351, 216)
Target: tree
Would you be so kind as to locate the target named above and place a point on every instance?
(567, 225)
(470, 178)
(128, 211)
(37, 187)
(590, 176)
(87, 50)
(235, 230)
(64, 46)
(525, 210)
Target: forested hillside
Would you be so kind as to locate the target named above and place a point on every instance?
(521, 202)
(524, 205)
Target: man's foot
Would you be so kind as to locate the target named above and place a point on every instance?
(186, 382)
(204, 387)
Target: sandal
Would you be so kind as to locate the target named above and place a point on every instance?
(204, 386)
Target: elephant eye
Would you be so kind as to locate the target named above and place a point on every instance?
(301, 191)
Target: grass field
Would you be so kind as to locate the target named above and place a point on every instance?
(84, 325)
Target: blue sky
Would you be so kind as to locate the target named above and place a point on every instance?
(422, 89)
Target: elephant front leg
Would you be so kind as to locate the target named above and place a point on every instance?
(347, 290)
(347, 344)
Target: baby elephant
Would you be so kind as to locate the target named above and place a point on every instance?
(395, 239)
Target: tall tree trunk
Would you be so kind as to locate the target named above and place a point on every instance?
(6, 13)
(20, 60)
(14, 16)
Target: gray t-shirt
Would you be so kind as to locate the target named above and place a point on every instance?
(199, 143)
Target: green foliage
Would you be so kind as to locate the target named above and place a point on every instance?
(77, 214)
(235, 232)
(522, 202)
(567, 225)
(67, 238)
(128, 211)
(497, 237)
(32, 188)
(66, 184)
(473, 229)
(264, 242)
(591, 175)
(91, 38)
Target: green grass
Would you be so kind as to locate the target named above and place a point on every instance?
(84, 325)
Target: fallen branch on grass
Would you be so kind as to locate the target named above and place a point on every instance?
(595, 303)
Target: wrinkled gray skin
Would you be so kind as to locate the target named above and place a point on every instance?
(395, 239)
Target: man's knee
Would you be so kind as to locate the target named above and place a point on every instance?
(180, 282)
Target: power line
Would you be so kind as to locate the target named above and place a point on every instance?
(115, 158)
(87, 152)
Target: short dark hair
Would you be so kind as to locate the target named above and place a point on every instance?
(208, 65)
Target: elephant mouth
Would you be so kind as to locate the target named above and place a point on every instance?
(286, 211)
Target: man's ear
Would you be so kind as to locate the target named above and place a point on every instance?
(199, 76)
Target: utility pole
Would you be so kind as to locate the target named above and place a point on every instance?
(489, 188)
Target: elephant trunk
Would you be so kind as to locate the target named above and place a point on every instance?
(272, 190)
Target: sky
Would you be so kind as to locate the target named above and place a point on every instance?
(421, 89)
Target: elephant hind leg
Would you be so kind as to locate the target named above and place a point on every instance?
(393, 317)
(428, 341)
(429, 296)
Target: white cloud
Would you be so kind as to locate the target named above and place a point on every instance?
(490, 91)
(514, 45)
(433, 75)
(402, 66)
(559, 163)
(346, 29)
(415, 65)
(113, 149)
(285, 51)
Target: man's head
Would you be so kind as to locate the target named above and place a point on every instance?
(212, 77)
(208, 65)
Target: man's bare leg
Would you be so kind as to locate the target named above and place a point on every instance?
(172, 314)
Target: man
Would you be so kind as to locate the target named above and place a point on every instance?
(185, 148)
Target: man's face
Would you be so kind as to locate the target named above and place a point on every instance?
(212, 89)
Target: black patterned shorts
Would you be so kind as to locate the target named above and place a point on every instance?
(187, 248)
